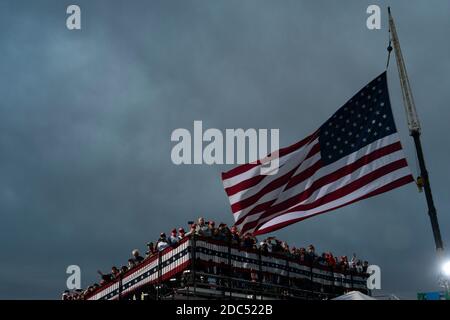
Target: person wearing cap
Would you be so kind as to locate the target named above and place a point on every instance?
(162, 242)
(181, 233)
(173, 238)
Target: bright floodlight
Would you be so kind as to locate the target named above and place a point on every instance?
(446, 268)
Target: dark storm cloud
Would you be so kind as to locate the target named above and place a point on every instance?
(86, 118)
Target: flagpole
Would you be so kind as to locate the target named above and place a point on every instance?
(415, 132)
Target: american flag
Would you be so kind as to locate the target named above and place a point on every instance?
(354, 155)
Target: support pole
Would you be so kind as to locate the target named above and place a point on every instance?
(158, 291)
(229, 273)
(120, 287)
(415, 131)
(194, 261)
(260, 272)
(428, 195)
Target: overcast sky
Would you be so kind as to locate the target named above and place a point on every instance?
(86, 118)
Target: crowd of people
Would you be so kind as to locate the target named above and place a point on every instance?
(222, 232)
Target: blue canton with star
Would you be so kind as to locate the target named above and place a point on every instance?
(364, 119)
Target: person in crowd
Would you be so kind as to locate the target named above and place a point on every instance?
(78, 294)
(181, 233)
(150, 250)
(173, 238)
(66, 295)
(254, 241)
(123, 270)
(211, 228)
(359, 266)
(162, 242)
(284, 247)
(310, 254)
(343, 263)
(115, 273)
(331, 261)
(270, 242)
(224, 233)
(202, 228)
(192, 229)
(253, 276)
(263, 247)
(294, 252)
(131, 263)
(248, 241)
(216, 234)
(365, 266)
(352, 263)
(322, 260)
(346, 263)
(277, 246)
(106, 278)
(302, 255)
(235, 237)
(136, 256)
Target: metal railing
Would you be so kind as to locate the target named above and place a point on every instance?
(270, 276)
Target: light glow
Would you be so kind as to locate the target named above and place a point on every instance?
(446, 268)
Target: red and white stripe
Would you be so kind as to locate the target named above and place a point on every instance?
(304, 186)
